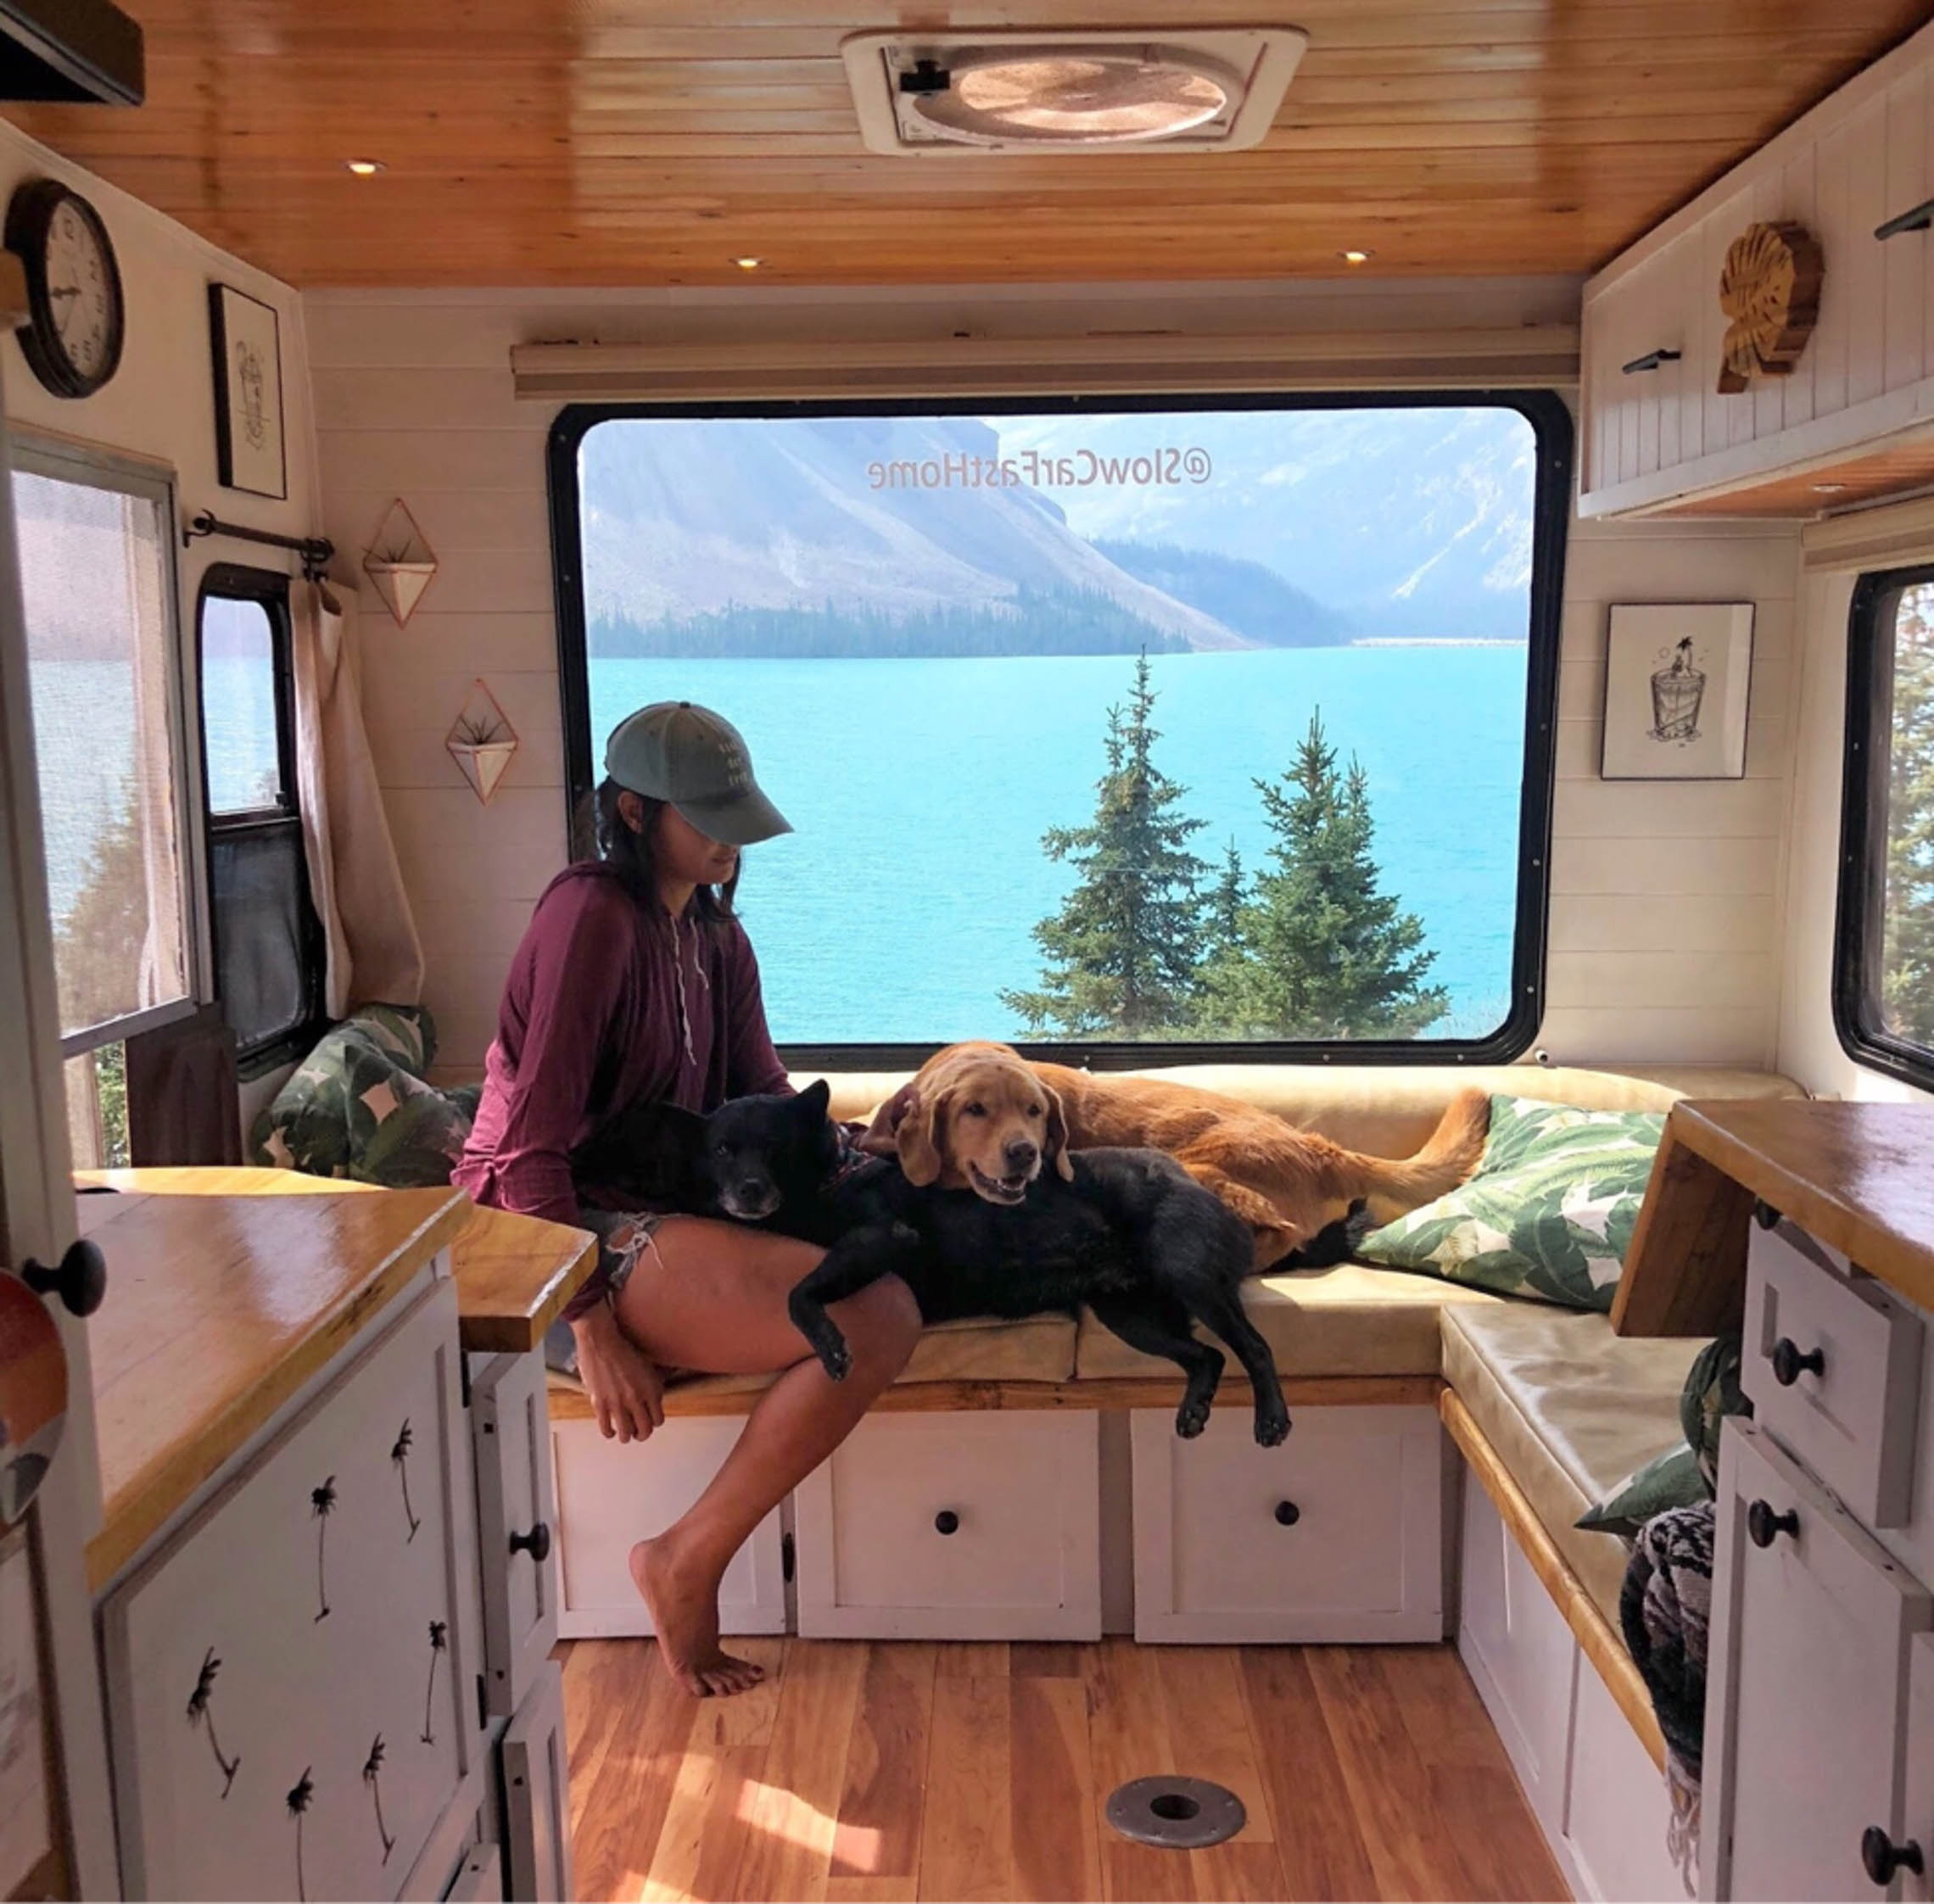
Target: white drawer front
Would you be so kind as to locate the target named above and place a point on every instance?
(1361, 1557)
(511, 1431)
(1809, 1674)
(537, 1802)
(1021, 1495)
(210, 1791)
(1852, 1414)
(610, 1495)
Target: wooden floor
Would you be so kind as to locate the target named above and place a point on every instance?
(899, 1771)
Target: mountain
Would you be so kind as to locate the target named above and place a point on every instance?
(839, 516)
(1253, 600)
(1409, 519)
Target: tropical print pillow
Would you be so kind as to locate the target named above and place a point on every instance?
(1549, 1213)
(359, 1106)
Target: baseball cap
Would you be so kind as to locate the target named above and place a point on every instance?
(676, 751)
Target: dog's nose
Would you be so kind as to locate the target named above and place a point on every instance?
(1021, 1155)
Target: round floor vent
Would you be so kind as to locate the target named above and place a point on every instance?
(1177, 1814)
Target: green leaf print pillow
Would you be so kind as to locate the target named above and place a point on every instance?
(1548, 1214)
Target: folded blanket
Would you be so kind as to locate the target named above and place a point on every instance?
(1665, 1608)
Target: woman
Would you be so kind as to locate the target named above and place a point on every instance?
(636, 983)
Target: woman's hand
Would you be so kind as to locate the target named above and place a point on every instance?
(627, 1388)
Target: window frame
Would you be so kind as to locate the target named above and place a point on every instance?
(270, 589)
(123, 474)
(1865, 759)
(1554, 432)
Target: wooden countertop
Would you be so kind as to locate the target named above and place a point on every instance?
(1858, 1176)
(220, 1308)
(514, 1273)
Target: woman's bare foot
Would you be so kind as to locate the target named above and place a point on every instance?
(684, 1606)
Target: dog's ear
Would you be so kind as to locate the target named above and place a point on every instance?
(918, 1138)
(1058, 1134)
(811, 1103)
(881, 1137)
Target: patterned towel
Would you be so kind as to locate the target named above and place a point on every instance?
(1665, 1608)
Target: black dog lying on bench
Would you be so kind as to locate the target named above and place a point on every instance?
(1128, 1232)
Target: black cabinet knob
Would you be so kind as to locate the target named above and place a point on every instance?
(1765, 1215)
(945, 1521)
(1883, 1857)
(1763, 1526)
(536, 1544)
(81, 1282)
(1789, 1365)
(1287, 1514)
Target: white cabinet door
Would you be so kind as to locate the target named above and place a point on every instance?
(517, 1525)
(955, 1526)
(537, 1801)
(1336, 1536)
(292, 1677)
(1917, 1843)
(1806, 1695)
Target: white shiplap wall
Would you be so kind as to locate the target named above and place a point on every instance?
(1664, 940)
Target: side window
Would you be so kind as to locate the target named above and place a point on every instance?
(97, 590)
(1884, 955)
(268, 944)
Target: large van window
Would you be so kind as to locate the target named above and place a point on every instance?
(98, 587)
(1884, 967)
(1104, 726)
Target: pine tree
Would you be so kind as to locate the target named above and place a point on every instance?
(1327, 955)
(1121, 953)
(1907, 972)
(1219, 976)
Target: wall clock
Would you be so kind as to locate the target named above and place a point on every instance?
(76, 318)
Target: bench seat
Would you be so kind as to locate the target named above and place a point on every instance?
(1569, 1410)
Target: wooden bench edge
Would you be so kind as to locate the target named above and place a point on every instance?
(570, 1403)
(1594, 1633)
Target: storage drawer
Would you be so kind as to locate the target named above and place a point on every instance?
(1832, 1367)
(516, 1517)
(955, 1526)
(1804, 1711)
(1338, 1535)
(311, 1632)
(537, 1803)
(611, 1494)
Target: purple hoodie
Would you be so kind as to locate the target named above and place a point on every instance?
(608, 1004)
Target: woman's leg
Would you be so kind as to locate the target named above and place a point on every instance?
(711, 1297)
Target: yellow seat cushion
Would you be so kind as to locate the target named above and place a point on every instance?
(1571, 1410)
(1348, 1320)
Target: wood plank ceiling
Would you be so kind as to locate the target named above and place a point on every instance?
(654, 142)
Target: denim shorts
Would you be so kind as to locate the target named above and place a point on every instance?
(623, 1237)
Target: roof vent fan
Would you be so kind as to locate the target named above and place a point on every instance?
(1208, 90)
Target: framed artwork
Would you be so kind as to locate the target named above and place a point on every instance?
(1677, 677)
(248, 392)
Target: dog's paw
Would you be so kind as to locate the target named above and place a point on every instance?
(1191, 1419)
(1358, 1224)
(1271, 1426)
(836, 1359)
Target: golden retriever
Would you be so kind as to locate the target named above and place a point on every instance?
(1286, 1184)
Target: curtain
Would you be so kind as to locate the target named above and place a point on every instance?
(354, 880)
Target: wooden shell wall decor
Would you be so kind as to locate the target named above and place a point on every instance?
(1769, 287)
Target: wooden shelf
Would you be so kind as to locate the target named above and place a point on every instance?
(1857, 1178)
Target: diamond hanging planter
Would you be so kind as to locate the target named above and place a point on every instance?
(481, 741)
(399, 562)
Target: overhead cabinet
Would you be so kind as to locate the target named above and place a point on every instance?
(1853, 415)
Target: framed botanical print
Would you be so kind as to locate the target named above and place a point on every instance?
(247, 337)
(1678, 676)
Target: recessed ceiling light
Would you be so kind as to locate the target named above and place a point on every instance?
(748, 264)
(1828, 489)
(364, 167)
(1356, 257)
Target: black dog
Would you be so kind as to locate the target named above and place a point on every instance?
(1132, 1236)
